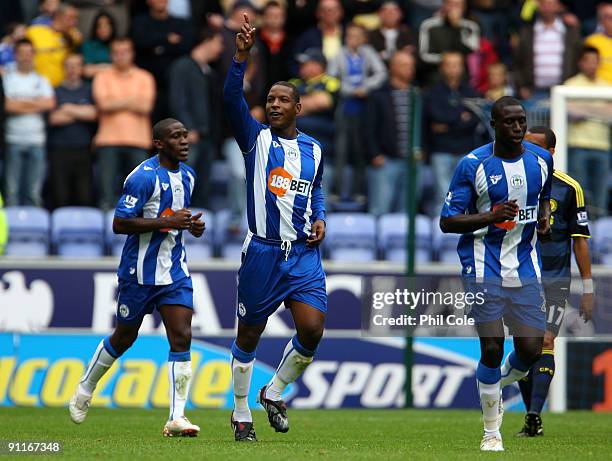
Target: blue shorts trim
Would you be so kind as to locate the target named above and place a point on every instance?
(269, 276)
(135, 301)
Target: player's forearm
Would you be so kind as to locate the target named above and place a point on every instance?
(583, 257)
(466, 223)
(139, 225)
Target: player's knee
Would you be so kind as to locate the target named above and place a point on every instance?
(122, 341)
(310, 335)
(549, 341)
(492, 353)
(248, 338)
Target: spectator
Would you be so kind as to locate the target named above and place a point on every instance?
(96, 50)
(159, 39)
(603, 42)
(46, 8)
(28, 95)
(388, 136)
(449, 126)
(392, 35)
(497, 82)
(449, 31)
(318, 96)
(275, 47)
(53, 43)
(124, 96)
(193, 89)
(301, 15)
(15, 32)
(494, 18)
(589, 140)
(326, 35)
(361, 71)
(418, 11)
(547, 52)
(72, 130)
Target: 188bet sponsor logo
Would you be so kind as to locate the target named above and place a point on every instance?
(280, 181)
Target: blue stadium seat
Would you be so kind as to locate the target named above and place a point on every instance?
(351, 237)
(201, 248)
(113, 241)
(445, 244)
(602, 240)
(28, 231)
(229, 244)
(393, 234)
(78, 232)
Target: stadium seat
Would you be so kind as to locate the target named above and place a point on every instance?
(445, 245)
(28, 231)
(78, 232)
(602, 240)
(351, 237)
(393, 234)
(201, 248)
(228, 243)
(113, 241)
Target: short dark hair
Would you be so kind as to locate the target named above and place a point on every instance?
(501, 103)
(159, 129)
(21, 42)
(203, 35)
(292, 87)
(549, 135)
(588, 49)
(122, 39)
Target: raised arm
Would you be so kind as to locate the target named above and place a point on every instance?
(245, 127)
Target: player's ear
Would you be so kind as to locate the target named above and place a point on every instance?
(552, 151)
(158, 144)
(298, 108)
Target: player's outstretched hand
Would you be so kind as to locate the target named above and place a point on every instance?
(317, 233)
(586, 307)
(505, 211)
(197, 225)
(181, 219)
(246, 37)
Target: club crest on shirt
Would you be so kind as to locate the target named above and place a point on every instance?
(280, 181)
(517, 181)
(553, 205)
(292, 154)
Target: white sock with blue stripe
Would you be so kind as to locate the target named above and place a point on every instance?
(512, 370)
(102, 360)
(242, 370)
(295, 360)
(488, 381)
(179, 376)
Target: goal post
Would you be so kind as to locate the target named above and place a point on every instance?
(560, 107)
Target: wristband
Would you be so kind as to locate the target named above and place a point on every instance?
(587, 286)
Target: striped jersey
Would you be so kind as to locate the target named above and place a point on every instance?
(283, 176)
(152, 191)
(506, 251)
(568, 219)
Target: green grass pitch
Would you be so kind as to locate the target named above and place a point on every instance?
(379, 435)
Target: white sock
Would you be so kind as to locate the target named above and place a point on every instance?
(292, 365)
(101, 361)
(509, 371)
(489, 402)
(241, 377)
(179, 377)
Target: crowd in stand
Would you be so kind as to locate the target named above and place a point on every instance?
(83, 81)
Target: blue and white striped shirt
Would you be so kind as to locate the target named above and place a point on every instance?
(283, 176)
(152, 191)
(507, 251)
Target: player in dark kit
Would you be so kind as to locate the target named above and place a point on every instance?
(569, 224)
